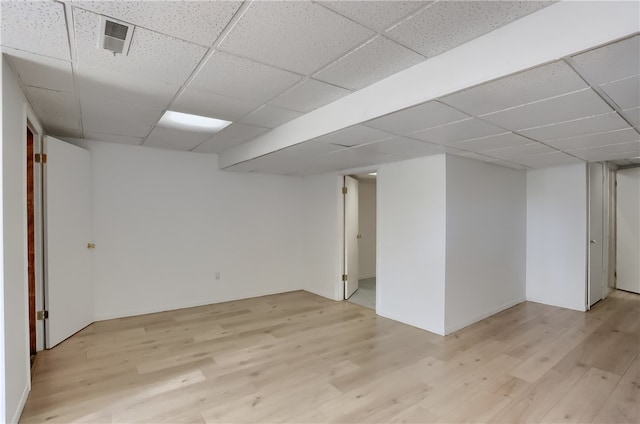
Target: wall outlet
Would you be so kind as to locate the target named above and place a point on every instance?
(217, 275)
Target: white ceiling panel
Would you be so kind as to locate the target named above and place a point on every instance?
(539, 83)
(613, 151)
(417, 118)
(558, 109)
(270, 117)
(94, 81)
(507, 164)
(196, 21)
(110, 117)
(309, 95)
(353, 136)
(498, 141)
(521, 151)
(41, 71)
(611, 62)
(55, 108)
(312, 148)
(577, 127)
(378, 15)
(595, 140)
(625, 92)
(294, 35)
(147, 56)
(458, 131)
(113, 138)
(448, 24)
(406, 147)
(633, 115)
(354, 158)
(371, 62)
(35, 26)
(56, 131)
(168, 138)
(548, 159)
(240, 78)
(231, 136)
(203, 103)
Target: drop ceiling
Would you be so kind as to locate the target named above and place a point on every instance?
(262, 64)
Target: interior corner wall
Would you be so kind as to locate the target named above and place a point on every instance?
(367, 228)
(165, 222)
(557, 236)
(411, 237)
(485, 240)
(15, 111)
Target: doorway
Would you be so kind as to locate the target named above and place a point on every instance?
(31, 245)
(360, 239)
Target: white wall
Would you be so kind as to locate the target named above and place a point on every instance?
(165, 222)
(557, 236)
(628, 229)
(486, 239)
(411, 242)
(367, 228)
(16, 382)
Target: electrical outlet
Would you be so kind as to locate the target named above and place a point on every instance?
(217, 275)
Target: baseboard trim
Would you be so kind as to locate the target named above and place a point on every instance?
(331, 296)
(21, 404)
(459, 326)
(363, 276)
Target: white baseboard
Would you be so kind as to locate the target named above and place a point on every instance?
(21, 404)
(459, 326)
(363, 276)
(330, 296)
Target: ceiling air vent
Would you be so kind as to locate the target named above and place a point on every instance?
(115, 36)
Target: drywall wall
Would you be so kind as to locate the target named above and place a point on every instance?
(628, 230)
(323, 250)
(557, 236)
(15, 112)
(367, 228)
(485, 240)
(166, 222)
(411, 242)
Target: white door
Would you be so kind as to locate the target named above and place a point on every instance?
(596, 266)
(351, 236)
(68, 232)
(628, 229)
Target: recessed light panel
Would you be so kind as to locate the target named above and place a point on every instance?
(189, 122)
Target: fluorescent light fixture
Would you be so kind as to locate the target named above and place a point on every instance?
(188, 122)
(372, 173)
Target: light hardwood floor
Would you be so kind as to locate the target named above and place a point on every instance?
(297, 357)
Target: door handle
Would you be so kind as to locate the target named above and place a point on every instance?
(593, 242)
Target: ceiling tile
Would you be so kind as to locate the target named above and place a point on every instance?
(309, 95)
(633, 115)
(110, 117)
(612, 62)
(416, 118)
(313, 148)
(55, 108)
(406, 147)
(521, 151)
(507, 164)
(548, 159)
(147, 56)
(213, 105)
(57, 131)
(240, 78)
(196, 21)
(625, 92)
(270, 117)
(457, 131)
(168, 138)
(231, 136)
(94, 81)
(598, 139)
(35, 26)
(41, 71)
(539, 83)
(550, 111)
(378, 15)
(576, 127)
(112, 138)
(371, 62)
(353, 136)
(448, 24)
(295, 35)
(610, 152)
(492, 142)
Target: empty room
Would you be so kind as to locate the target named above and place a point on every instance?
(320, 211)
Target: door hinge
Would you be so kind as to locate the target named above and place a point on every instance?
(41, 158)
(344, 190)
(40, 315)
(344, 277)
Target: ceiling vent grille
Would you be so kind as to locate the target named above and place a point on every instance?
(115, 36)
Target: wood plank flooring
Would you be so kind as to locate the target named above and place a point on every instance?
(300, 358)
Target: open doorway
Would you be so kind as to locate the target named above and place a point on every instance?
(360, 239)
